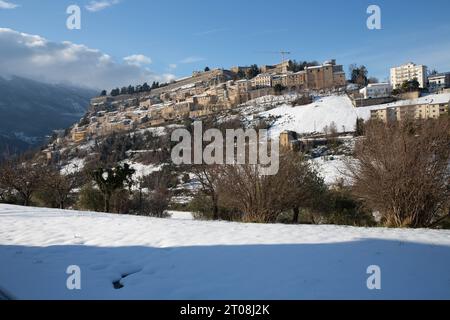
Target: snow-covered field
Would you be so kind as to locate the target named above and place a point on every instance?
(180, 258)
(315, 116)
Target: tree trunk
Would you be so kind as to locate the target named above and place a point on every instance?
(107, 201)
(296, 215)
(26, 200)
(215, 208)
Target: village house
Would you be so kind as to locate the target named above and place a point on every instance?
(439, 81)
(282, 68)
(376, 90)
(262, 80)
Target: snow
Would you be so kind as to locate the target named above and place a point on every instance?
(315, 116)
(332, 169)
(180, 215)
(187, 259)
(428, 99)
(143, 170)
(73, 166)
(333, 108)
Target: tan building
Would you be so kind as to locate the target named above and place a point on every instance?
(295, 81)
(79, 135)
(319, 77)
(205, 99)
(385, 115)
(263, 80)
(420, 110)
(279, 68)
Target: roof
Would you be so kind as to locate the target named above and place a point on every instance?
(429, 99)
(439, 75)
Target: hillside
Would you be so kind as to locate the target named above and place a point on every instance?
(185, 259)
(31, 110)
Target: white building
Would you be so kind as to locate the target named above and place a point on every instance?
(407, 72)
(439, 81)
(377, 90)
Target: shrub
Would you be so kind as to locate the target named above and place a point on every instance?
(401, 170)
(90, 199)
(345, 210)
(154, 204)
(201, 207)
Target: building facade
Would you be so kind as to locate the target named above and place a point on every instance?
(439, 81)
(377, 90)
(423, 111)
(408, 72)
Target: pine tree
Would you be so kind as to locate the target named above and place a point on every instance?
(111, 180)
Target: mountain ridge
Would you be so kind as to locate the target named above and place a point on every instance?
(32, 110)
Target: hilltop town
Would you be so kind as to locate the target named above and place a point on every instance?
(201, 95)
(211, 92)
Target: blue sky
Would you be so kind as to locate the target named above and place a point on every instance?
(181, 36)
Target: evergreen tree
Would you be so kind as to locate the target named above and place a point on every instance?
(115, 92)
(112, 180)
(253, 71)
(145, 87)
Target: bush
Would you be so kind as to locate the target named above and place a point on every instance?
(401, 170)
(345, 210)
(201, 207)
(154, 204)
(90, 199)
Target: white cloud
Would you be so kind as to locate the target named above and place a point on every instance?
(172, 66)
(95, 6)
(192, 60)
(35, 57)
(137, 60)
(7, 5)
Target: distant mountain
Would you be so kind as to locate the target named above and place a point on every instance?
(31, 110)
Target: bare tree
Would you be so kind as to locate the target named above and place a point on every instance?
(402, 170)
(263, 198)
(208, 176)
(60, 185)
(23, 178)
(302, 188)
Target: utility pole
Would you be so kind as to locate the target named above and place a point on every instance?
(283, 55)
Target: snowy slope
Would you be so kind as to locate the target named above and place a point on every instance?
(315, 116)
(185, 259)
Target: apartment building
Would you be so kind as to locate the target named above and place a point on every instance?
(422, 108)
(385, 115)
(408, 72)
